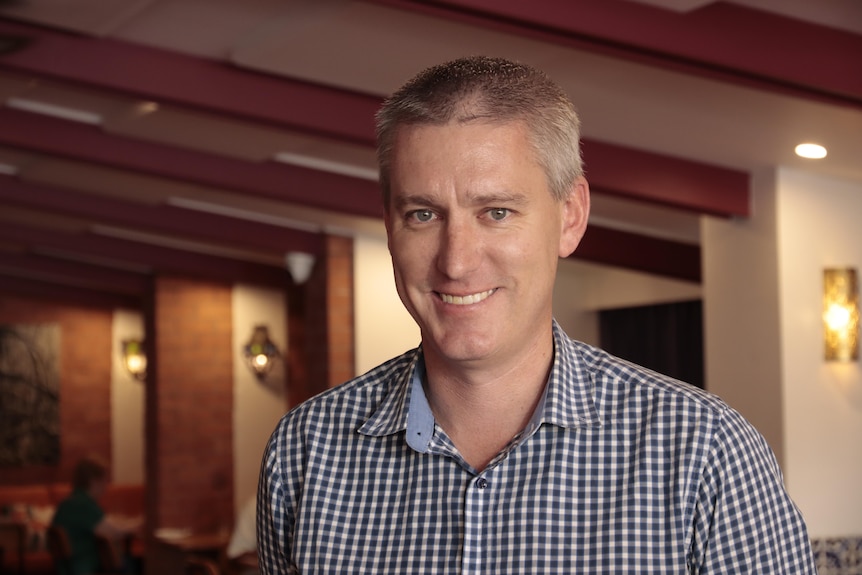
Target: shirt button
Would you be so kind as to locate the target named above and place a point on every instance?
(481, 483)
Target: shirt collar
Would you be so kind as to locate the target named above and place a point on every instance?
(569, 396)
(392, 413)
(567, 401)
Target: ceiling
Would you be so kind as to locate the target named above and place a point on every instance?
(212, 137)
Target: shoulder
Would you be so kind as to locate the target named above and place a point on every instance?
(77, 506)
(633, 399)
(346, 407)
(325, 429)
(614, 375)
(626, 393)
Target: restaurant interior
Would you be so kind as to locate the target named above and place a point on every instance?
(192, 243)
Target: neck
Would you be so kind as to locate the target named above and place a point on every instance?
(481, 410)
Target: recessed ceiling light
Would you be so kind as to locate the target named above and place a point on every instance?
(812, 151)
(145, 108)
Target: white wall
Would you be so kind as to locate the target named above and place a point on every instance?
(819, 227)
(127, 404)
(257, 405)
(383, 328)
(583, 289)
(763, 300)
(741, 313)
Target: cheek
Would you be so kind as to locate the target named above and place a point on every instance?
(409, 259)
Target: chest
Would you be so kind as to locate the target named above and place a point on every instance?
(561, 502)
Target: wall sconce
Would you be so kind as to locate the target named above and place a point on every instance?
(841, 314)
(260, 353)
(135, 358)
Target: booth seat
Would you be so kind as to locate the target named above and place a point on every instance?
(26, 511)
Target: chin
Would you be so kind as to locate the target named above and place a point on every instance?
(465, 347)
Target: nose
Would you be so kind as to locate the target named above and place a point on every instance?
(460, 248)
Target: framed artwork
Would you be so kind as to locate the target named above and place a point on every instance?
(29, 394)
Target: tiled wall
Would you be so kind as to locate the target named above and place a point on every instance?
(838, 555)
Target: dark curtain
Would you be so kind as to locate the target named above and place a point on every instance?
(667, 338)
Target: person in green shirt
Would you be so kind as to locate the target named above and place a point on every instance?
(83, 519)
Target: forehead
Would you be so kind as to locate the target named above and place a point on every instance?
(472, 137)
(474, 159)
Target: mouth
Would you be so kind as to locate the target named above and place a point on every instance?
(466, 299)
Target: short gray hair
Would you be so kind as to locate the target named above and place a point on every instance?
(491, 90)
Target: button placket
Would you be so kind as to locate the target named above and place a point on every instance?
(478, 504)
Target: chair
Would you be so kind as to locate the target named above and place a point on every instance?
(196, 565)
(110, 560)
(59, 548)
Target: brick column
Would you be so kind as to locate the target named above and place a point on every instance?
(321, 324)
(189, 412)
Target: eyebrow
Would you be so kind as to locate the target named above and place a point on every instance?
(504, 197)
(476, 199)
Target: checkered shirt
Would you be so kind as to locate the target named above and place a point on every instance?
(621, 470)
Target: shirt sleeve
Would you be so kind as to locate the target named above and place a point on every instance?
(275, 509)
(745, 521)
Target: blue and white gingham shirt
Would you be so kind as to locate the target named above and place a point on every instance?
(621, 470)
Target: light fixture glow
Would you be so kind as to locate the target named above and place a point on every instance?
(145, 108)
(841, 314)
(811, 151)
(260, 352)
(135, 358)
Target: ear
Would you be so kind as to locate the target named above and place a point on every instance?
(575, 213)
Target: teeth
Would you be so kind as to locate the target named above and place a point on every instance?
(466, 299)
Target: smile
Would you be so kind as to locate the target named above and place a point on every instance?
(466, 299)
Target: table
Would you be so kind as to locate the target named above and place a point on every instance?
(206, 543)
(245, 563)
(166, 555)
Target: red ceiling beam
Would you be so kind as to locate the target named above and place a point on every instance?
(160, 259)
(77, 274)
(41, 289)
(672, 182)
(618, 249)
(169, 77)
(647, 254)
(177, 221)
(271, 180)
(218, 88)
(722, 40)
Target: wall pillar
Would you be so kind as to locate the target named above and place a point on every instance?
(742, 327)
(189, 404)
(321, 323)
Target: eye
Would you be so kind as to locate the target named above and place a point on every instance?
(421, 216)
(498, 214)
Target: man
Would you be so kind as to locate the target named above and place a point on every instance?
(500, 445)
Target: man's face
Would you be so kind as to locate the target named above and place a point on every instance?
(475, 236)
